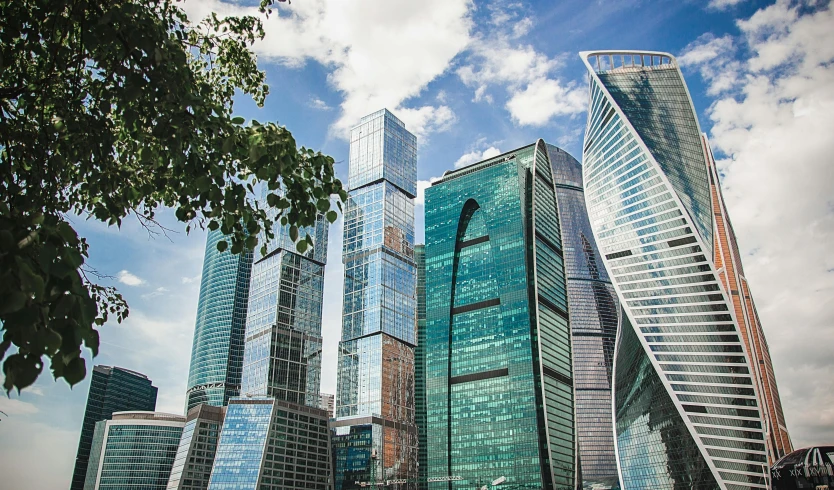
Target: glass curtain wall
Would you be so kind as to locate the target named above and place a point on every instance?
(686, 410)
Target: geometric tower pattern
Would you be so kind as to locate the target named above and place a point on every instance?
(731, 272)
(686, 409)
(112, 389)
(198, 445)
(499, 385)
(282, 353)
(217, 350)
(374, 434)
(593, 307)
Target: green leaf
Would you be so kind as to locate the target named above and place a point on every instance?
(222, 245)
(293, 233)
(12, 301)
(238, 120)
(331, 216)
(301, 246)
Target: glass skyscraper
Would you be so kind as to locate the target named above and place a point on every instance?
(593, 308)
(686, 413)
(274, 435)
(198, 446)
(374, 434)
(217, 350)
(499, 381)
(134, 450)
(420, 366)
(282, 358)
(270, 444)
(731, 272)
(112, 389)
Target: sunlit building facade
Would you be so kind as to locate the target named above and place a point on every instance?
(499, 381)
(731, 272)
(198, 446)
(134, 450)
(269, 444)
(374, 436)
(593, 308)
(112, 389)
(217, 350)
(686, 413)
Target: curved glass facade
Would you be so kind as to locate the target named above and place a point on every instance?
(593, 308)
(217, 351)
(687, 415)
(137, 451)
(499, 391)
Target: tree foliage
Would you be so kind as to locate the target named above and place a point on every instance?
(113, 109)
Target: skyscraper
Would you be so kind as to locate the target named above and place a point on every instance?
(198, 446)
(274, 436)
(731, 273)
(374, 434)
(134, 450)
(112, 389)
(420, 367)
(270, 444)
(282, 358)
(593, 308)
(217, 350)
(327, 402)
(685, 401)
(499, 381)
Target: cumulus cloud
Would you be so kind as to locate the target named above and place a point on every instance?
(500, 58)
(125, 277)
(723, 4)
(319, 104)
(380, 52)
(156, 292)
(774, 126)
(476, 156)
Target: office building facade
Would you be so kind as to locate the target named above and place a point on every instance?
(376, 352)
(134, 450)
(327, 401)
(269, 444)
(217, 350)
(685, 402)
(112, 389)
(499, 382)
(198, 445)
(593, 307)
(282, 357)
(420, 367)
(731, 272)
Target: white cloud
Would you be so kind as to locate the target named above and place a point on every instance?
(427, 119)
(775, 127)
(13, 406)
(190, 280)
(37, 455)
(714, 58)
(156, 292)
(380, 52)
(319, 104)
(125, 277)
(536, 95)
(543, 99)
(476, 156)
(723, 4)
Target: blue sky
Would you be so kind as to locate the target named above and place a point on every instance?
(472, 79)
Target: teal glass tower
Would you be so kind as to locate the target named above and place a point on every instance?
(134, 451)
(420, 367)
(499, 381)
(217, 350)
(112, 389)
(685, 402)
(374, 436)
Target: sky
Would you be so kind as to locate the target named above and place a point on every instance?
(474, 79)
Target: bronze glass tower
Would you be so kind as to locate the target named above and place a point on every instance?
(730, 271)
